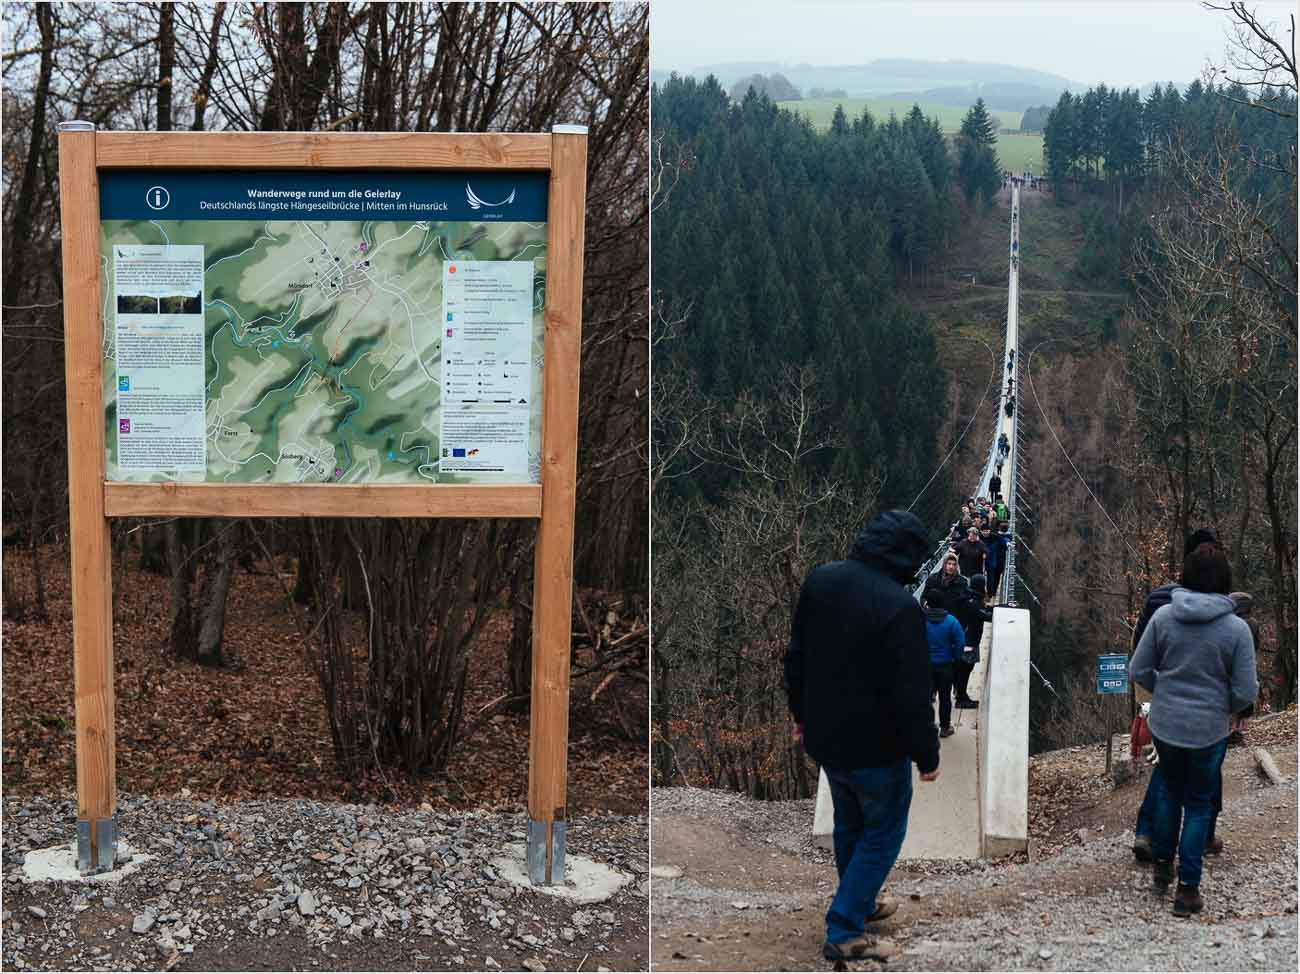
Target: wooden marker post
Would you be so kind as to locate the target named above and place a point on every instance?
(92, 573)
(553, 566)
(561, 154)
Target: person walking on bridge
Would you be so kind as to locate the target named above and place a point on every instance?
(947, 640)
(971, 553)
(1197, 659)
(950, 582)
(972, 619)
(995, 546)
(857, 678)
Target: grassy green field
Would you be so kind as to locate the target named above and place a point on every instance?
(820, 110)
(1014, 151)
(1020, 150)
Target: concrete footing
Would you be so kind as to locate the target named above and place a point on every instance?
(585, 880)
(58, 864)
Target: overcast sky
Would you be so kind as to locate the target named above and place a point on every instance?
(1119, 42)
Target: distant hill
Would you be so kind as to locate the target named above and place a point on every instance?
(1015, 88)
(1011, 96)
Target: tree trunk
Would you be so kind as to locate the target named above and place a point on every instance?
(20, 223)
(519, 651)
(181, 640)
(166, 64)
(304, 584)
(1284, 599)
(212, 597)
(204, 91)
(153, 550)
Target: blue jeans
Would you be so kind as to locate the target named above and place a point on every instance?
(1185, 804)
(871, 806)
(1146, 822)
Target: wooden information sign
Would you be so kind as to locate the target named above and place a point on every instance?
(322, 325)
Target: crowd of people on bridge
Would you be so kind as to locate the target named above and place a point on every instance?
(1194, 650)
(1024, 179)
(955, 598)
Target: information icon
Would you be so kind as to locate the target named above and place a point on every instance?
(157, 197)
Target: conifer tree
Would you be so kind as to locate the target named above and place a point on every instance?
(978, 125)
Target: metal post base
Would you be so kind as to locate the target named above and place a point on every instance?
(542, 872)
(99, 855)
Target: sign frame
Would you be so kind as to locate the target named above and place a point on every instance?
(83, 153)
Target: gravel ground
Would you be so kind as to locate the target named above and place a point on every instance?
(281, 885)
(752, 888)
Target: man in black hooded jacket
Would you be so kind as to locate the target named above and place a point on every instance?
(858, 678)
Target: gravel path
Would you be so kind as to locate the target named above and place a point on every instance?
(301, 885)
(752, 889)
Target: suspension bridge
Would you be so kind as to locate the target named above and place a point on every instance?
(979, 805)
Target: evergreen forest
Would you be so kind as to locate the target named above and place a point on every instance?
(783, 248)
(796, 390)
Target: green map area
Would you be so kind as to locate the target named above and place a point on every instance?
(322, 345)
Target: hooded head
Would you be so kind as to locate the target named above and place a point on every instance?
(1196, 607)
(1206, 569)
(1197, 538)
(978, 584)
(896, 542)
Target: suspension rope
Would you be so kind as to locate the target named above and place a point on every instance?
(974, 415)
(1046, 682)
(1029, 374)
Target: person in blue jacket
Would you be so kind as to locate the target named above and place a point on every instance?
(944, 634)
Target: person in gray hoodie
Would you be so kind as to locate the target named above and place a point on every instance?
(1197, 659)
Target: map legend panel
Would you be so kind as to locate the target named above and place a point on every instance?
(486, 365)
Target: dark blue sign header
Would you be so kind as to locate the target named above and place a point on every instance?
(322, 194)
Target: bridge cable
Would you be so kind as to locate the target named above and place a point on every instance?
(1029, 375)
(974, 416)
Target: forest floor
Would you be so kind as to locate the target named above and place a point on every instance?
(228, 776)
(752, 890)
(257, 727)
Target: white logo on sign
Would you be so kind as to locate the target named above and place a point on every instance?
(476, 203)
(157, 197)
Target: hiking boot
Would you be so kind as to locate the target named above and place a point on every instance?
(1162, 874)
(1214, 846)
(947, 731)
(865, 947)
(968, 704)
(1187, 900)
(886, 906)
(1142, 848)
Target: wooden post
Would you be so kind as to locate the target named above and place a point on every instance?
(553, 569)
(92, 600)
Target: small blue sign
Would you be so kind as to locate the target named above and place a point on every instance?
(1112, 673)
(123, 383)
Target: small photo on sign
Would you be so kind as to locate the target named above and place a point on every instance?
(181, 304)
(136, 304)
